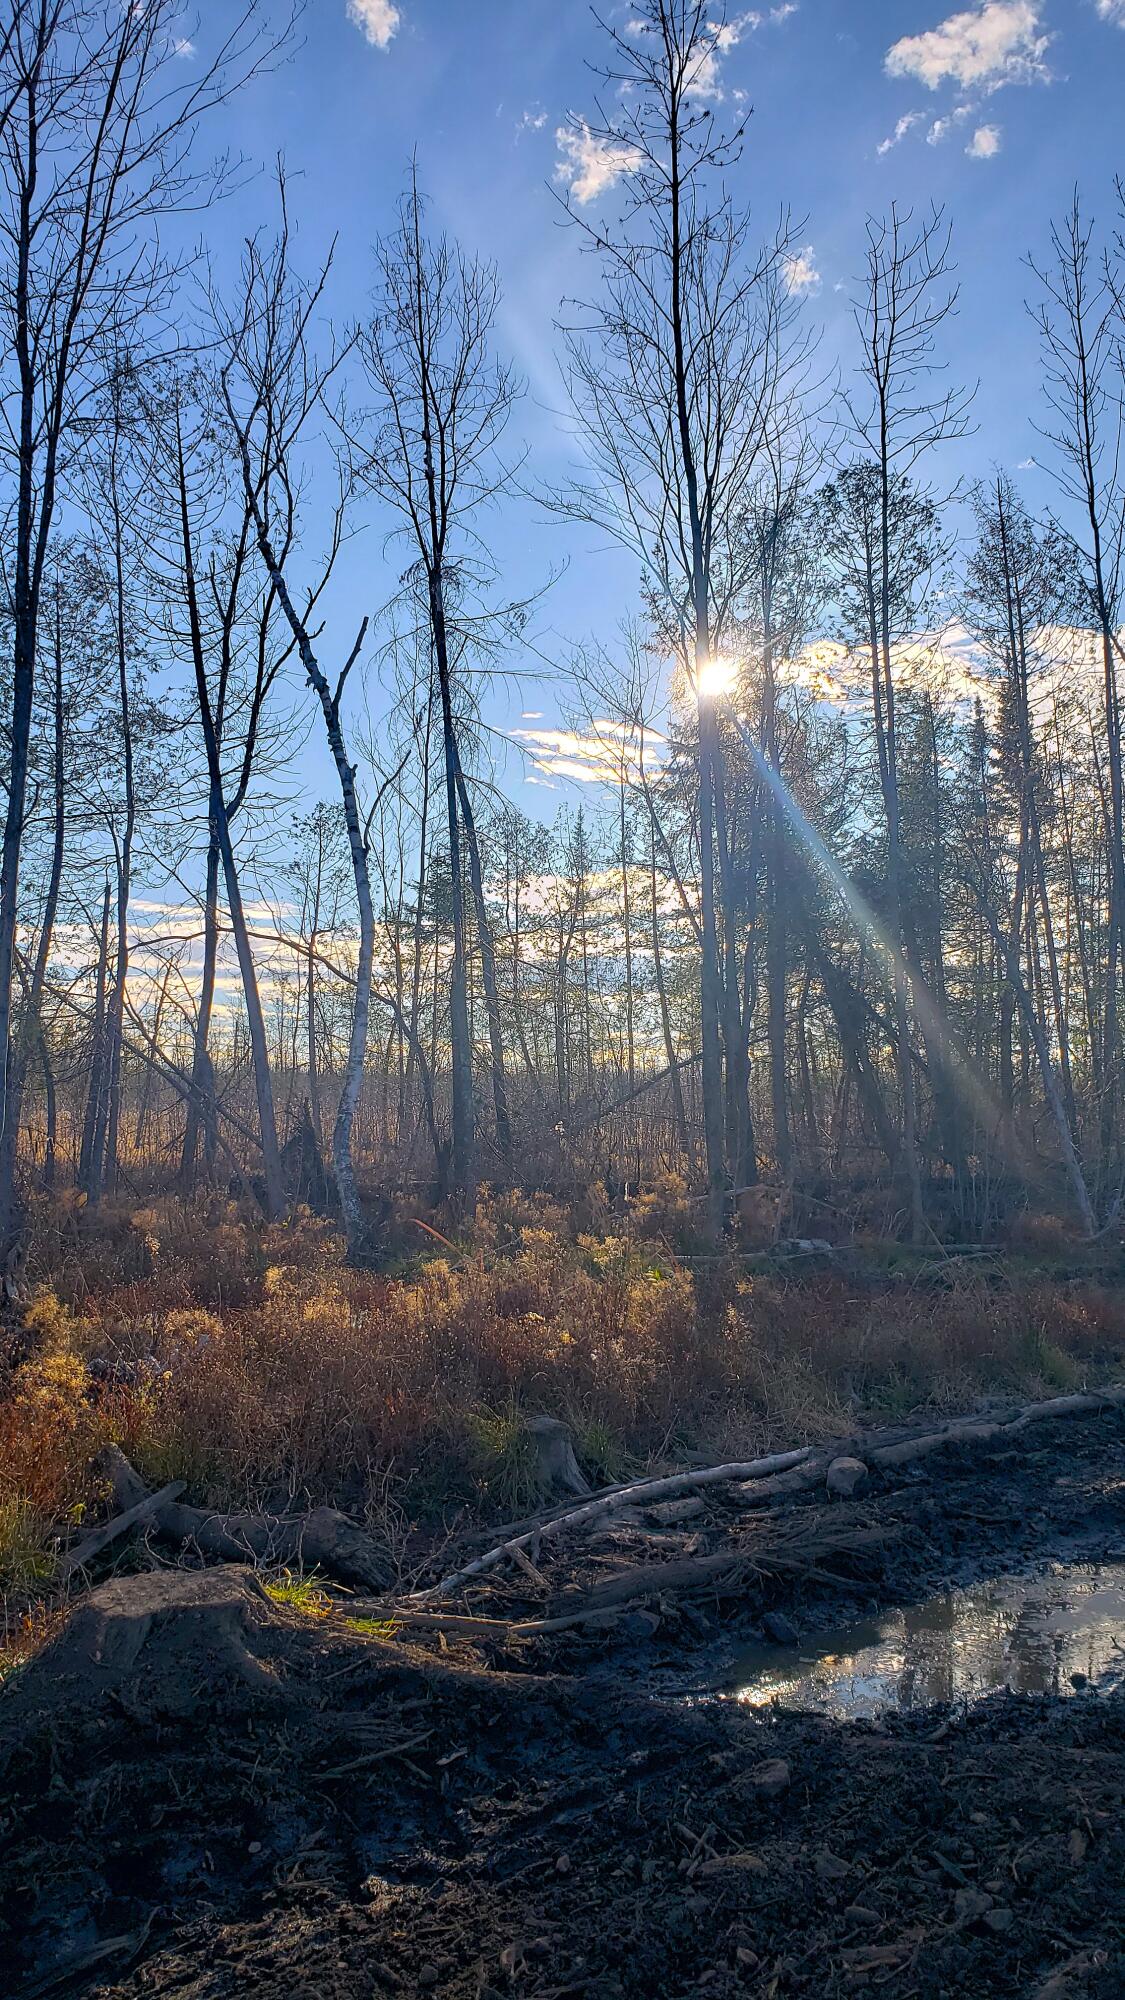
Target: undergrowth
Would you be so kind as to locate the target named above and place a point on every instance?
(251, 1362)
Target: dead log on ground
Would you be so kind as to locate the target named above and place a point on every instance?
(134, 1516)
(782, 1473)
(322, 1539)
(639, 1494)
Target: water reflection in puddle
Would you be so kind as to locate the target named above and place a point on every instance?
(1029, 1634)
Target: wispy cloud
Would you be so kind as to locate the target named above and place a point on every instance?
(183, 47)
(532, 120)
(378, 19)
(985, 143)
(590, 165)
(982, 48)
(905, 124)
(606, 753)
(705, 81)
(799, 270)
(1112, 10)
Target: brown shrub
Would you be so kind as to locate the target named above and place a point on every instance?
(253, 1363)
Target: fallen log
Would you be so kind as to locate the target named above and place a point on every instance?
(638, 1494)
(774, 1476)
(759, 1493)
(726, 1569)
(91, 1545)
(322, 1539)
(907, 1450)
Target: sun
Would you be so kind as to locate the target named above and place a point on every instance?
(716, 678)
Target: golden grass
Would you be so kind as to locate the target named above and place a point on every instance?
(253, 1363)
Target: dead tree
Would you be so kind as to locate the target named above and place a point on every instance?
(1081, 319)
(896, 416)
(672, 373)
(433, 457)
(273, 389)
(98, 94)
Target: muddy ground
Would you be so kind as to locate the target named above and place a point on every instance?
(304, 1810)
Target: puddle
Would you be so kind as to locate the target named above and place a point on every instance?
(1028, 1634)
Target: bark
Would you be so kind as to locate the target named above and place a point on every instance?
(31, 1035)
(489, 982)
(92, 1154)
(221, 833)
(200, 1116)
(463, 1151)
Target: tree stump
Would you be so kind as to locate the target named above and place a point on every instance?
(164, 1642)
(556, 1466)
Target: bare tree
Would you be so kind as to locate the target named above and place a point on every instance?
(97, 124)
(273, 387)
(1081, 320)
(896, 415)
(433, 455)
(672, 374)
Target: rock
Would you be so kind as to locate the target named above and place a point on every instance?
(858, 1913)
(428, 1975)
(970, 1904)
(830, 1868)
(845, 1476)
(1079, 1681)
(770, 1778)
(780, 1629)
(1000, 1919)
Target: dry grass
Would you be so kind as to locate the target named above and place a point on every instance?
(252, 1363)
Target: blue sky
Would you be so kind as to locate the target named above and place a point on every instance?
(996, 110)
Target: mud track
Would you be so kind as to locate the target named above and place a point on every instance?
(308, 1811)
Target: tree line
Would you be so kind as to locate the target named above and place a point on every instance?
(845, 908)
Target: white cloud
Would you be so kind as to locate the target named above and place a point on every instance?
(985, 143)
(726, 35)
(377, 18)
(982, 48)
(905, 124)
(183, 47)
(589, 165)
(799, 270)
(532, 120)
(1112, 10)
(606, 752)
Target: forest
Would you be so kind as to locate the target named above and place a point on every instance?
(843, 916)
(419, 1194)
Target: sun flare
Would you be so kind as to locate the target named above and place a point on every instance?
(716, 678)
